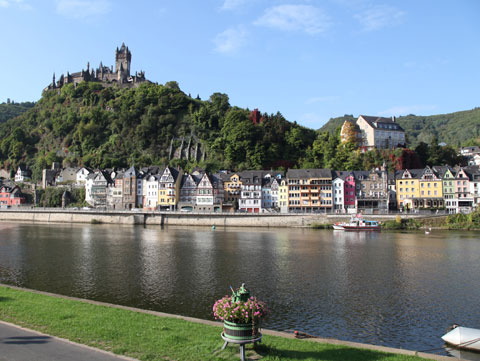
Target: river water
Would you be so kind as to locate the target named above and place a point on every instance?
(393, 289)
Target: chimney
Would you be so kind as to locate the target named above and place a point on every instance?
(393, 118)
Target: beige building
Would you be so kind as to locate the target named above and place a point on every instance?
(379, 132)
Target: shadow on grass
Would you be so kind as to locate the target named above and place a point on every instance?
(340, 354)
(5, 299)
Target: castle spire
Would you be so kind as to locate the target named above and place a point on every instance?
(53, 81)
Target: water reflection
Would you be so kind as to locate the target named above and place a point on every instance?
(394, 289)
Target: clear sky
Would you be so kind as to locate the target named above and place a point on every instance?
(309, 59)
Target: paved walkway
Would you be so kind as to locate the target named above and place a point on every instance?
(19, 344)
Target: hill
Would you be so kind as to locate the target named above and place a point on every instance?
(11, 110)
(455, 129)
(153, 124)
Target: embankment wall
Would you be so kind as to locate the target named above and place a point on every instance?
(175, 218)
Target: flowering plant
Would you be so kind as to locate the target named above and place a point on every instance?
(249, 311)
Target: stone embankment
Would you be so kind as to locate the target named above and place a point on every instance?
(175, 218)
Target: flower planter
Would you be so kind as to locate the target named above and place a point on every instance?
(240, 331)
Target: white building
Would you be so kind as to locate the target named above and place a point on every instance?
(251, 191)
(338, 194)
(150, 190)
(209, 196)
(23, 174)
(82, 175)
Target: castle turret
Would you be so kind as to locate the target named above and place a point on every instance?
(123, 58)
(54, 85)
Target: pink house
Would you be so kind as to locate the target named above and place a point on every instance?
(462, 184)
(11, 196)
(349, 191)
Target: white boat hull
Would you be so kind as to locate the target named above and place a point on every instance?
(463, 337)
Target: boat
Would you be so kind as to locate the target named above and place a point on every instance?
(463, 337)
(357, 223)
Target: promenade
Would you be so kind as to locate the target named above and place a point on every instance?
(58, 215)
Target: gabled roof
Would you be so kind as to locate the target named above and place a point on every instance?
(416, 173)
(441, 170)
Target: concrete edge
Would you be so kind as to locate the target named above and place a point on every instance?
(81, 345)
(330, 341)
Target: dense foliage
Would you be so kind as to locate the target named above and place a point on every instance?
(454, 129)
(11, 109)
(89, 125)
(328, 152)
(463, 221)
(109, 127)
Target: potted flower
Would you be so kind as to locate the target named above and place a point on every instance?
(241, 314)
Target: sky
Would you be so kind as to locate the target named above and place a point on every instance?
(310, 60)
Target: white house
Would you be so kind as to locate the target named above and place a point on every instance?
(150, 190)
(82, 175)
(338, 194)
(209, 196)
(251, 191)
(23, 174)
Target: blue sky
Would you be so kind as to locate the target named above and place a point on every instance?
(310, 60)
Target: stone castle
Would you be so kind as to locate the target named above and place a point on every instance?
(121, 76)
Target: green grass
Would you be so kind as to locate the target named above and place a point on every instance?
(150, 337)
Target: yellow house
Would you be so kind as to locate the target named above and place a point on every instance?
(283, 196)
(419, 188)
(407, 184)
(169, 188)
(232, 186)
(431, 190)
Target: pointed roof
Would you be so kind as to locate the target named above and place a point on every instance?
(130, 172)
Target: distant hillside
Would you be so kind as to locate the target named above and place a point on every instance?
(150, 125)
(11, 110)
(332, 125)
(455, 129)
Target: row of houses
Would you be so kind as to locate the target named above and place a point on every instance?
(454, 189)
(457, 190)
(295, 191)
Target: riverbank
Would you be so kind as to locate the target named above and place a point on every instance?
(180, 218)
(148, 335)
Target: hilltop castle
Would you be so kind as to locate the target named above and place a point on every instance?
(121, 76)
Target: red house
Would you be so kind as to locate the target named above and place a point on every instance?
(11, 196)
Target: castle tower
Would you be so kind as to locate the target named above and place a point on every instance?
(123, 57)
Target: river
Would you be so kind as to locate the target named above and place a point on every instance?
(392, 289)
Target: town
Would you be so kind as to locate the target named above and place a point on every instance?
(163, 188)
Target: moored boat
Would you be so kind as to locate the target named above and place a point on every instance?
(357, 223)
(463, 337)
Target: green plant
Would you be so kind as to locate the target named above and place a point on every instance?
(239, 310)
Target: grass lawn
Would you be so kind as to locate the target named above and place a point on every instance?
(149, 337)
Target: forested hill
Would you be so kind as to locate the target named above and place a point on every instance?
(455, 129)
(151, 125)
(11, 109)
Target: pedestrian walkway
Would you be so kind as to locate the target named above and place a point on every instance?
(19, 344)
